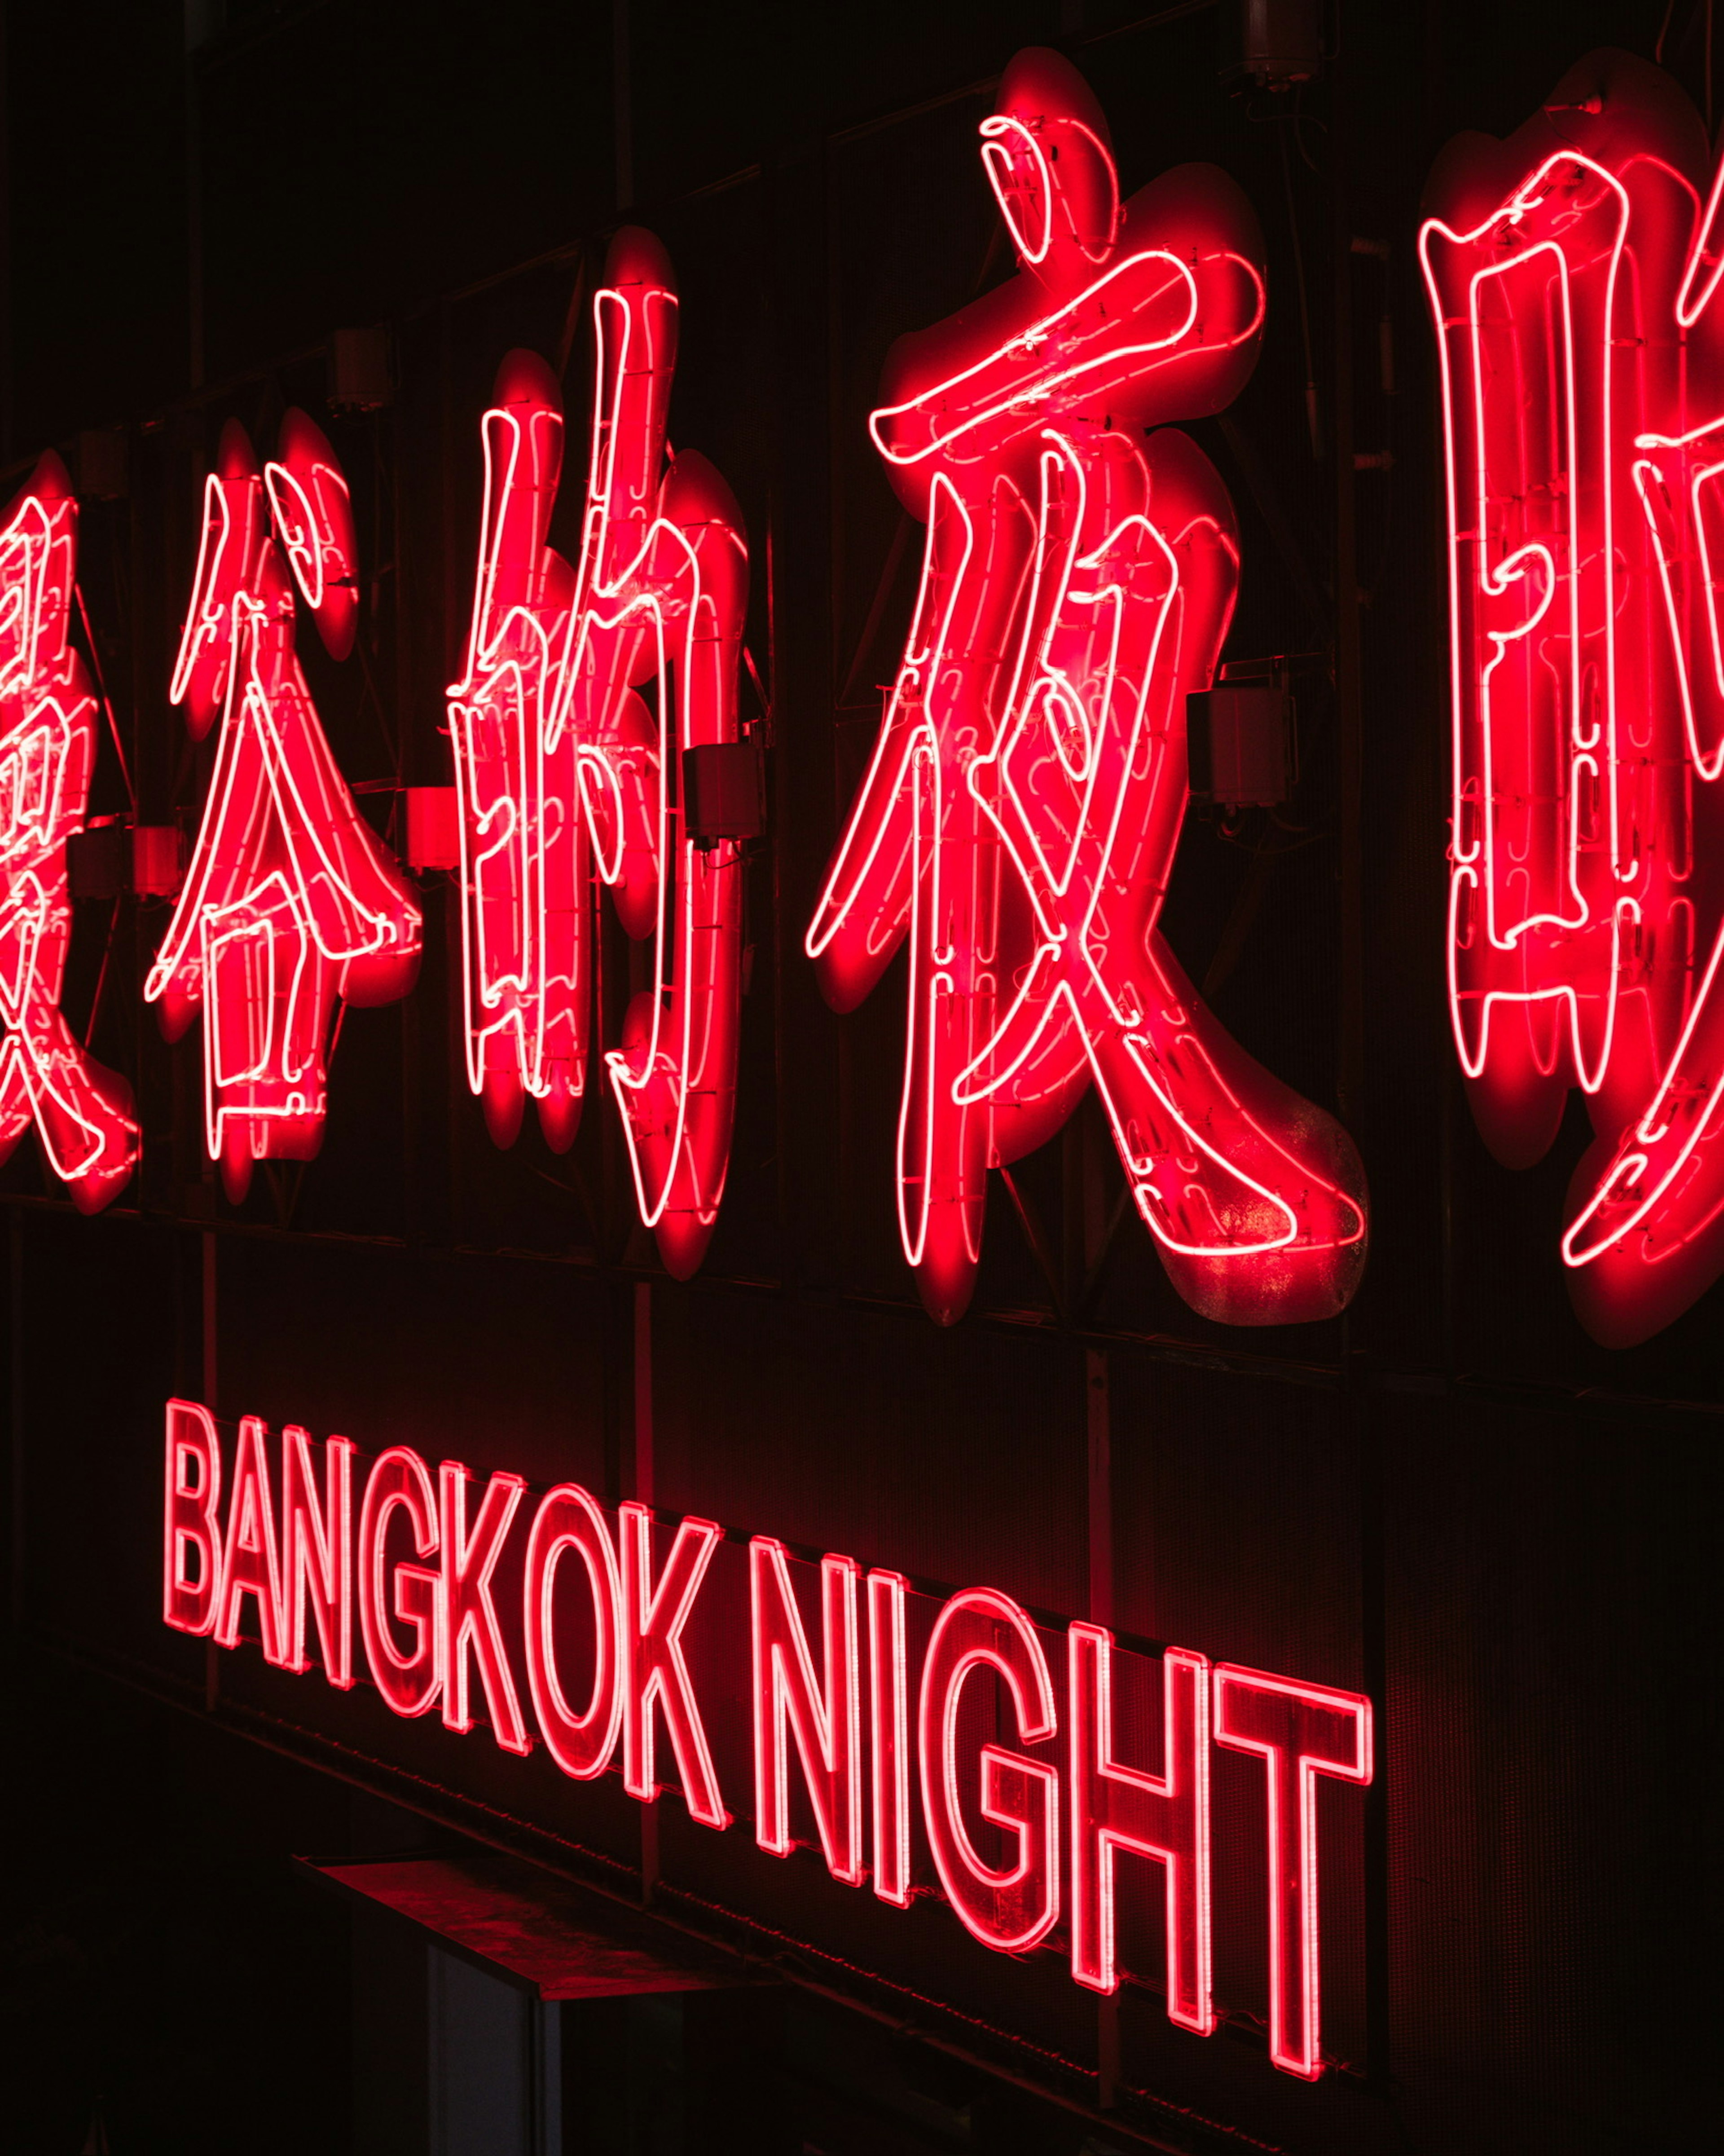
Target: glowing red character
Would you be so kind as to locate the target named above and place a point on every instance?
(563, 767)
(1018, 822)
(292, 902)
(1572, 274)
(48, 738)
(1302, 1733)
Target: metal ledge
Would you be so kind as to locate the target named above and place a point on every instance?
(518, 1922)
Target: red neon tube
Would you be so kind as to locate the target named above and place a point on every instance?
(821, 1717)
(606, 1658)
(888, 1753)
(1011, 1906)
(1572, 273)
(317, 1555)
(251, 1560)
(564, 768)
(1117, 1809)
(655, 1677)
(291, 904)
(83, 1112)
(1017, 826)
(582, 1742)
(190, 1531)
(1299, 1732)
(396, 1593)
(467, 1619)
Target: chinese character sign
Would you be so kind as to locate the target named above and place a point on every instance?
(585, 685)
(83, 1113)
(1572, 274)
(292, 904)
(1018, 822)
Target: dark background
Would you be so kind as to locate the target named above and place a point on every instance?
(1451, 1498)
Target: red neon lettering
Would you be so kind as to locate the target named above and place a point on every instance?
(826, 1721)
(313, 517)
(82, 1111)
(1299, 1732)
(654, 1673)
(1020, 820)
(558, 755)
(291, 902)
(1002, 1877)
(468, 1618)
(1164, 1817)
(581, 1744)
(888, 1731)
(189, 1527)
(1008, 1907)
(251, 1564)
(1572, 276)
(317, 1555)
(410, 1594)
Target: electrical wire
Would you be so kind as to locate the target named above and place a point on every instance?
(101, 978)
(95, 661)
(1313, 421)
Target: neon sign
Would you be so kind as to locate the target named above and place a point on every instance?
(83, 1113)
(564, 768)
(1572, 273)
(1017, 1830)
(292, 904)
(1019, 819)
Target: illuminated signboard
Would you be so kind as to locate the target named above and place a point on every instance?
(1572, 273)
(1061, 1743)
(901, 1787)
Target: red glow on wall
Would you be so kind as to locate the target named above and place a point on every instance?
(292, 902)
(565, 768)
(1572, 273)
(82, 1111)
(1018, 822)
(1299, 1732)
